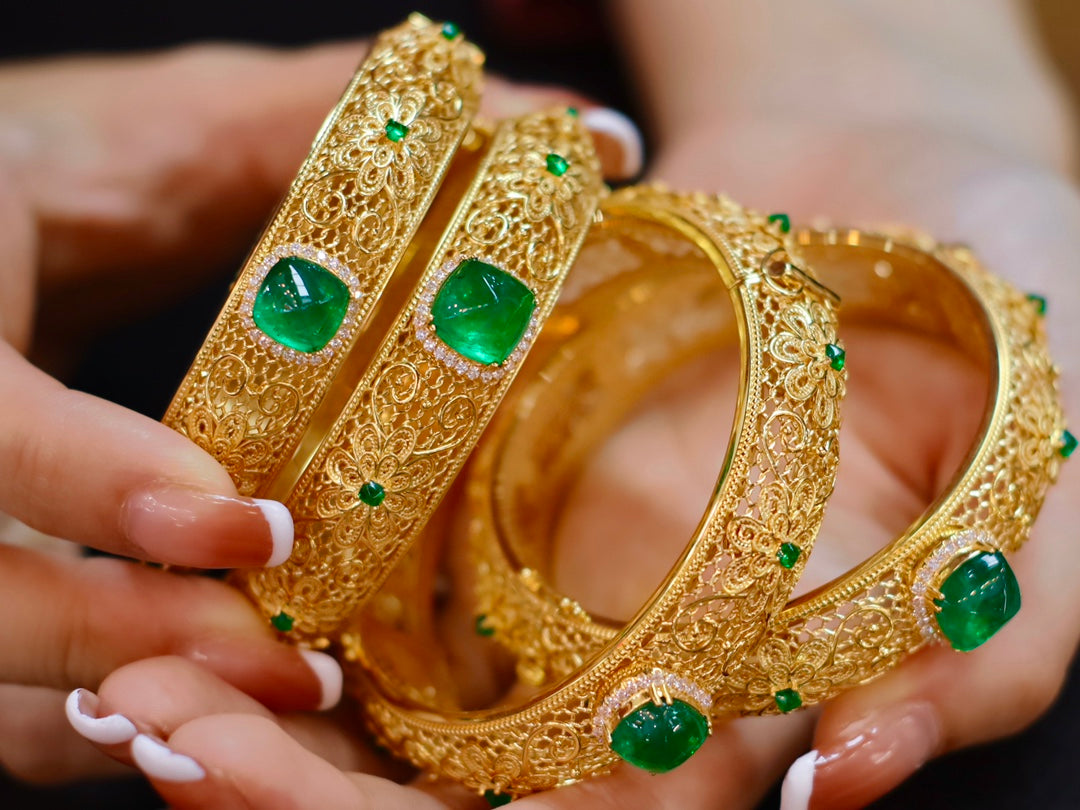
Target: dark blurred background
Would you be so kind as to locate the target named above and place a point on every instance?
(554, 41)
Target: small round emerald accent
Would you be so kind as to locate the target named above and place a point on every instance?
(977, 600)
(372, 493)
(837, 357)
(1068, 444)
(1039, 301)
(497, 799)
(283, 622)
(300, 304)
(557, 164)
(481, 628)
(482, 312)
(660, 737)
(788, 554)
(395, 130)
(450, 30)
(783, 219)
(572, 112)
(787, 700)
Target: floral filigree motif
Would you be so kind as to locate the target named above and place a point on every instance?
(805, 332)
(391, 463)
(546, 194)
(810, 671)
(380, 161)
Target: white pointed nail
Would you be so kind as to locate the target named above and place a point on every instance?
(281, 530)
(158, 761)
(112, 729)
(799, 783)
(618, 126)
(330, 676)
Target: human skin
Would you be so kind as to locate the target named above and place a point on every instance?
(110, 166)
(909, 152)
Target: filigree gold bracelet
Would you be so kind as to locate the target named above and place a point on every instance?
(383, 314)
(664, 663)
(945, 579)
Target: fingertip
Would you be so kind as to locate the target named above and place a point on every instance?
(81, 710)
(627, 158)
(798, 783)
(330, 677)
(160, 763)
(280, 521)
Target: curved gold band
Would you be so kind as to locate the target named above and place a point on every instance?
(864, 623)
(784, 438)
(362, 436)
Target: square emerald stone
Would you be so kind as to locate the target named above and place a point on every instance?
(300, 304)
(395, 130)
(977, 600)
(557, 164)
(660, 737)
(787, 700)
(482, 312)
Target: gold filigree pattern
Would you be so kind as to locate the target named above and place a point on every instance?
(346, 204)
(701, 612)
(414, 416)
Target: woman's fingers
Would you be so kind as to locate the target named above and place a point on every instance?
(172, 160)
(871, 739)
(90, 471)
(36, 743)
(244, 761)
(156, 696)
(100, 614)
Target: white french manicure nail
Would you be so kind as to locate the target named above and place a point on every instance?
(281, 530)
(622, 129)
(160, 762)
(328, 671)
(112, 729)
(799, 783)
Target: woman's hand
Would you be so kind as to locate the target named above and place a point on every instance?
(110, 167)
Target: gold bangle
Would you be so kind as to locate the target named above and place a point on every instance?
(412, 377)
(784, 431)
(944, 579)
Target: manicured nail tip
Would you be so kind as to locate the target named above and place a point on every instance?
(112, 729)
(799, 783)
(621, 128)
(281, 530)
(328, 671)
(158, 761)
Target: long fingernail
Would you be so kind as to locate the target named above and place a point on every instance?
(155, 759)
(81, 709)
(328, 671)
(798, 783)
(630, 146)
(874, 754)
(175, 524)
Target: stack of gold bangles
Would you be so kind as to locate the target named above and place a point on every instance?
(380, 321)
